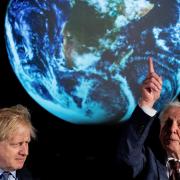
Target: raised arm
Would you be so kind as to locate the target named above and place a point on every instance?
(131, 153)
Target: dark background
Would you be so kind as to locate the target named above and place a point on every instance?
(80, 151)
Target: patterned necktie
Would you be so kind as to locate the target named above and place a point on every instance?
(5, 175)
(175, 167)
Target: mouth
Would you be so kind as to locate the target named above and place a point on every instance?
(171, 141)
(20, 160)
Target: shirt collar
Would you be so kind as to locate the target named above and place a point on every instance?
(13, 173)
(171, 158)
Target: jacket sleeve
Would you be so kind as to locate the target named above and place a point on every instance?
(132, 152)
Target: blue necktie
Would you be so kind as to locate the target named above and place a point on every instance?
(4, 175)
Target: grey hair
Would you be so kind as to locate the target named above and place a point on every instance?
(167, 107)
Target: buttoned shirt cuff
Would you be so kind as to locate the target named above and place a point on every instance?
(149, 111)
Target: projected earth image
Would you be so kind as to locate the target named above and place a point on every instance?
(84, 60)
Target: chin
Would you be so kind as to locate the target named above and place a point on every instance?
(19, 165)
(171, 148)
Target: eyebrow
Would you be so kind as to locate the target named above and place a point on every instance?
(178, 120)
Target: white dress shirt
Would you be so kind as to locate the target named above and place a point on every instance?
(12, 175)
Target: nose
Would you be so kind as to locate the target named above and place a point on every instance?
(24, 149)
(173, 127)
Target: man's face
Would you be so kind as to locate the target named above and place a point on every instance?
(170, 131)
(14, 150)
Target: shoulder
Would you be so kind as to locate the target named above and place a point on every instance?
(24, 174)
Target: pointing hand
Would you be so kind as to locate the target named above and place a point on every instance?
(151, 87)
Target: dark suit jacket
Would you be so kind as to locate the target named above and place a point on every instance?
(140, 154)
(24, 174)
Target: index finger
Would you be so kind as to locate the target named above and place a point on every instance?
(151, 66)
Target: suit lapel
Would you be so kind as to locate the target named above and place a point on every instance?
(162, 171)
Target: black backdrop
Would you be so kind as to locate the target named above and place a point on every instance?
(80, 151)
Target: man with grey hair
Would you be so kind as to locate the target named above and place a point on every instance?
(135, 154)
(16, 131)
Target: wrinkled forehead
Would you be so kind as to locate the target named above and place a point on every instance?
(20, 130)
(171, 113)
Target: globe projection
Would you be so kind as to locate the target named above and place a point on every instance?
(84, 60)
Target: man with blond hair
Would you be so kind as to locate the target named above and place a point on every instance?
(16, 131)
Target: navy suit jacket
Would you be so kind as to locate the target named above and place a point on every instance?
(140, 154)
(24, 174)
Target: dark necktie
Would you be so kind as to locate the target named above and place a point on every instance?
(175, 167)
(4, 175)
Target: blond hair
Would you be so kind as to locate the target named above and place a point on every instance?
(11, 118)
